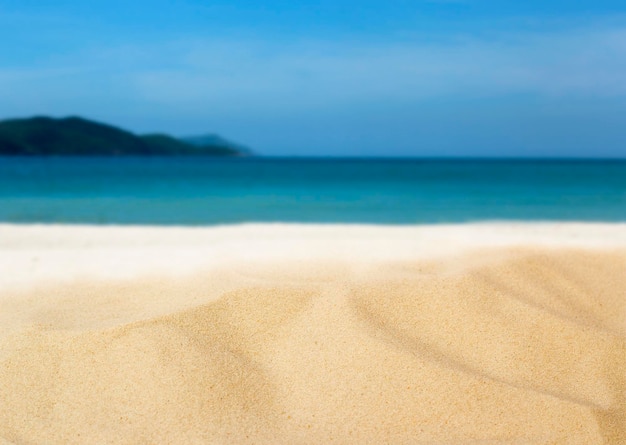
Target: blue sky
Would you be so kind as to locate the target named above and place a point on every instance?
(395, 78)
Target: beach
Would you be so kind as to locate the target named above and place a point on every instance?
(483, 333)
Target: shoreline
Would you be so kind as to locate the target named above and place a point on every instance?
(40, 252)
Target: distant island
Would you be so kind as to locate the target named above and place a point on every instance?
(76, 136)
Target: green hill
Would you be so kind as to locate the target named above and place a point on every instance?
(81, 137)
(214, 140)
(165, 144)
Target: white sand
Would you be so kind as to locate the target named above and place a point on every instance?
(478, 333)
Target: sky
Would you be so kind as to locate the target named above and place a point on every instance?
(330, 78)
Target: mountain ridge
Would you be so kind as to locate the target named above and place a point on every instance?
(77, 136)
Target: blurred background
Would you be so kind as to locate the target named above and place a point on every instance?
(194, 112)
(330, 77)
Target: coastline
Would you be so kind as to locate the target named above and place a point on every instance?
(34, 253)
(285, 333)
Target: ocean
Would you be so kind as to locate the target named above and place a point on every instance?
(211, 191)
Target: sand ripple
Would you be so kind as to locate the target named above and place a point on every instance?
(501, 346)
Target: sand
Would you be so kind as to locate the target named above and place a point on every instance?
(494, 333)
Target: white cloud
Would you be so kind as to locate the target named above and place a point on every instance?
(585, 62)
(236, 74)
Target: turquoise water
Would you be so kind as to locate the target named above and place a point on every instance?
(195, 191)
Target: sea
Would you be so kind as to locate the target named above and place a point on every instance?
(213, 191)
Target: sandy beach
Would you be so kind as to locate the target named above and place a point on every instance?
(495, 333)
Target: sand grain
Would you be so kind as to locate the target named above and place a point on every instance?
(524, 343)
